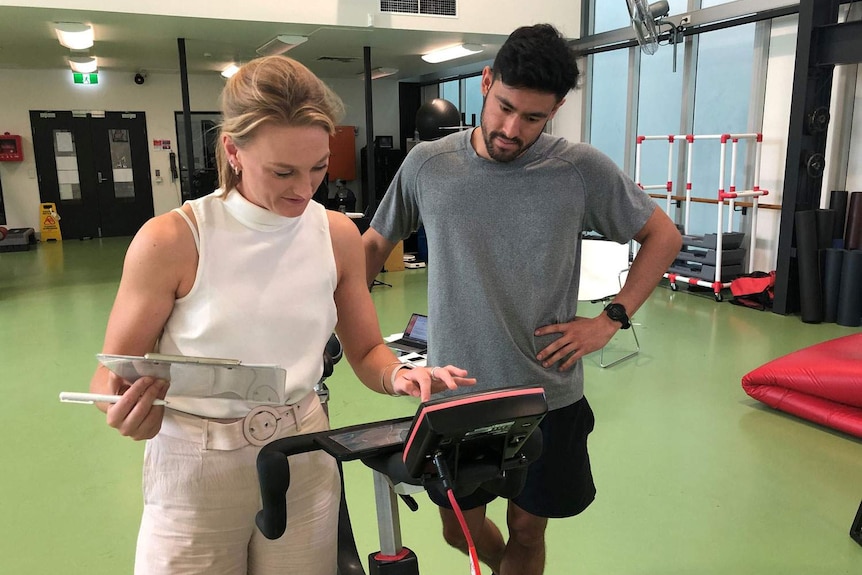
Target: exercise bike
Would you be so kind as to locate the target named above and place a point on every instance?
(457, 444)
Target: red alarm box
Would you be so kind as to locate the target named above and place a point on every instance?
(10, 148)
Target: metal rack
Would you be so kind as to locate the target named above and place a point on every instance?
(705, 260)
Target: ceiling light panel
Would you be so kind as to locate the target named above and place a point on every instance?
(452, 52)
(230, 71)
(83, 64)
(74, 35)
(281, 44)
(381, 72)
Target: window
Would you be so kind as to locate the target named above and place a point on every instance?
(721, 106)
(608, 104)
(612, 15)
(205, 129)
(715, 98)
(121, 163)
(466, 94)
(66, 156)
(473, 100)
(659, 114)
(451, 91)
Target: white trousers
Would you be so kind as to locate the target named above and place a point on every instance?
(200, 505)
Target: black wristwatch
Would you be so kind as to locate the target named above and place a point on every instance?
(617, 312)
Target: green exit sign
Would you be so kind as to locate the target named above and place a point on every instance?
(85, 78)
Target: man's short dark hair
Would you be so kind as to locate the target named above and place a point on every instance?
(538, 58)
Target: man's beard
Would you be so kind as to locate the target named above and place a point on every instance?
(498, 154)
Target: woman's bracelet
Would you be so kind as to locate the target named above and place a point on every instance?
(399, 366)
(383, 378)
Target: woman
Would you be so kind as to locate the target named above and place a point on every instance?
(258, 272)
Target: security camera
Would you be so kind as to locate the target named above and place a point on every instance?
(140, 78)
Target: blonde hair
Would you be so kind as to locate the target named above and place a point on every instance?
(273, 89)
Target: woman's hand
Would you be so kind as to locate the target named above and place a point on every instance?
(421, 382)
(134, 415)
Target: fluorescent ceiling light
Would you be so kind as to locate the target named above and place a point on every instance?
(83, 64)
(452, 52)
(379, 73)
(281, 44)
(230, 71)
(74, 35)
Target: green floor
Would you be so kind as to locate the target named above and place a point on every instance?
(694, 476)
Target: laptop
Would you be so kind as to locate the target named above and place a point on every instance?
(415, 337)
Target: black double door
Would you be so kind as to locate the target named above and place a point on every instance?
(95, 168)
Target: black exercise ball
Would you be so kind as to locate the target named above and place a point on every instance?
(434, 117)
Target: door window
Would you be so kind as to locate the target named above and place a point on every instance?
(67, 165)
(121, 162)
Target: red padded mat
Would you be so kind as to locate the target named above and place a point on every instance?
(821, 383)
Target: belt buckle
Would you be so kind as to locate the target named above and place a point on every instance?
(261, 424)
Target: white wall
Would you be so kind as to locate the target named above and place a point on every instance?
(854, 169)
(159, 98)
(568, 121)
(25, 90)
(479, 16)
(776, 123)
(384, 97)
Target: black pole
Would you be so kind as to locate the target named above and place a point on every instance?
(188, 145)
(371, 200)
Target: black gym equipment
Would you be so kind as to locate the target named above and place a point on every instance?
(437, 118)
(856, 528)
(17, 239)
(456, 444)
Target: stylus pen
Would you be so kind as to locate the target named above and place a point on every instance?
(90, 398)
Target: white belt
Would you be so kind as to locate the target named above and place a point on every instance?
(262, 425)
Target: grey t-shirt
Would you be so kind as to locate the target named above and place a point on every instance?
(504, 249)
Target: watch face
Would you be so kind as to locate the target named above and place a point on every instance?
(618, 313)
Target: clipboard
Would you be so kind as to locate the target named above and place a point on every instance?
(204, 377)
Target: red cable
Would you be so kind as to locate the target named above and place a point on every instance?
(474, 557)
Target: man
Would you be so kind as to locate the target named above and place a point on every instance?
(504, 206)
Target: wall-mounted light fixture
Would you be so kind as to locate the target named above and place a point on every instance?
(230, 70)
(84, 64)
(281, 44)
(452, 52)
(379, 73)
(74, 35)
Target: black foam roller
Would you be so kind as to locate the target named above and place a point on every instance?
(831, 261)
(810, 299)
(853, 229)
(825, 225)
(850, 292)
(838, 202)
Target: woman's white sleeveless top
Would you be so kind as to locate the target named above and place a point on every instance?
(263, 293)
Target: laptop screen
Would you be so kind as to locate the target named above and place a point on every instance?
(417, 328)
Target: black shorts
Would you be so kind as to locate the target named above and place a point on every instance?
(560, 482)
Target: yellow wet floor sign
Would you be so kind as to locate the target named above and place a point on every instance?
(50, 222)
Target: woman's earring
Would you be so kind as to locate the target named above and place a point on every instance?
(236, 170)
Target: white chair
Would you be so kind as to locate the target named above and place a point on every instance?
(604, 268)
